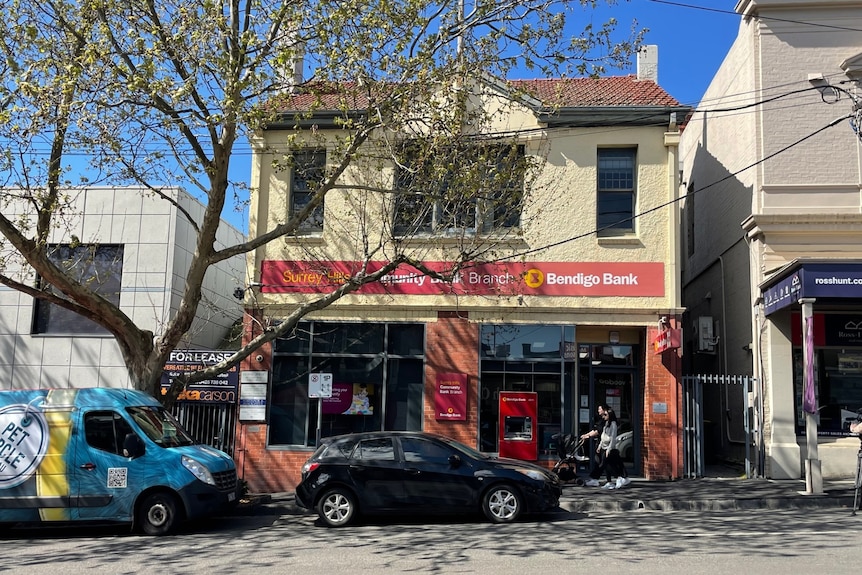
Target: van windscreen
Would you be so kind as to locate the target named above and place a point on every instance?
(160, 426)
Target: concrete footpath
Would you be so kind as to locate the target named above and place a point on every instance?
(702, 494)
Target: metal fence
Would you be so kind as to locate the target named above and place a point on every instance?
(693, 416)
(209, 423)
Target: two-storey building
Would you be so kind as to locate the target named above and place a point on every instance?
(576, 285)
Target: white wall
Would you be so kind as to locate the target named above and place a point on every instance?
(158, 244)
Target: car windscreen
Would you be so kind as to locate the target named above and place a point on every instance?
(160, 426)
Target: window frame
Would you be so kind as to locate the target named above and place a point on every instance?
(105, 259)
(480, 214)
(610, 196)
(395, 371)
(308, 166)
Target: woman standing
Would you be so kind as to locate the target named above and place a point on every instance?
(608, 460)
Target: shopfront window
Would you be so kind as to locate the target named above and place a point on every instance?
(837, 370)
(377, 380)
(531, 358)
(838, 385)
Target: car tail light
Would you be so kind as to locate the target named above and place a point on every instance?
(309, 467)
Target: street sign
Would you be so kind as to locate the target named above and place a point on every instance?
(319, 385)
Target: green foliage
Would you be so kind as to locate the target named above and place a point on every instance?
(166, 92)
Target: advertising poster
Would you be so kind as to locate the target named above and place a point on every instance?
(220, 389)
(349, 399)
(450, 396)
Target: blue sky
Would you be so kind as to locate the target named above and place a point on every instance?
(692, 38)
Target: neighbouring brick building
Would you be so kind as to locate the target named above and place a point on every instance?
(572, 325)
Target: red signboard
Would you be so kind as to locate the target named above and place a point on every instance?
(667, 339)
(450, 396)
(637, 279)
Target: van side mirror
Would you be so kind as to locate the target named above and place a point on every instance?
(454, 461)
(133, 446)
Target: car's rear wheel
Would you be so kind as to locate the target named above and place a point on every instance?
(337, 507)
(502, 504)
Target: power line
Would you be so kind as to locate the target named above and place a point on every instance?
(759, 17)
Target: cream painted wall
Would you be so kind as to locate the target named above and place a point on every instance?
(561, 205)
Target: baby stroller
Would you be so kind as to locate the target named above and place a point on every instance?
(570, 450)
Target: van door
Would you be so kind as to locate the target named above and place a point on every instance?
(107, 480)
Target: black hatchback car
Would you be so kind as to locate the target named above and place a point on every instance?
(412, 472)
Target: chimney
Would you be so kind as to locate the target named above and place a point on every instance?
(648, 63)
(292, 72)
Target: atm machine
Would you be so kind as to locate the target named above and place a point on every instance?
(519, 425)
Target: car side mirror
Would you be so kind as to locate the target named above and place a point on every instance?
(454, 461)
(133, 446)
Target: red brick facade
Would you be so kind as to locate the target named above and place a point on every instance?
(451, 346)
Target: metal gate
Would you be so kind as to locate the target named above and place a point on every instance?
(209, 423)
(693, 415)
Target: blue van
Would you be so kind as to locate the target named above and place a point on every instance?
(107, 455)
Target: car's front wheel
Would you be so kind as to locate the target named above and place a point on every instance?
(502, 504)
(337, 507)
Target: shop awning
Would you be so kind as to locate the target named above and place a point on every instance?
(832, 279)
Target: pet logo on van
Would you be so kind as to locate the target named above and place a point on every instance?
(23, 443)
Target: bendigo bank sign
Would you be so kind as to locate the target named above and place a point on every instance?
(636, 279)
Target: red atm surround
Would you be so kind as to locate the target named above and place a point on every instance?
(518, 425)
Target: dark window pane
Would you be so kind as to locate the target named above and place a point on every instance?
(288, 409)
(309, 168)
(297, 342)
(616, 190)
(407, 339)
(404, 388)
(375, 450)
(97, 267)
(459, 189)
(423, 451)
(106, 431)
(348, 338)
(615, 210)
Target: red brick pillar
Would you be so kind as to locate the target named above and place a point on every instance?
(452, 346)
(662, 432)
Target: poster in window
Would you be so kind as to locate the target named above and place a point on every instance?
(349, 399)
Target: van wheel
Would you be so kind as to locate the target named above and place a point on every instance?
(502, 504)
(157, 514)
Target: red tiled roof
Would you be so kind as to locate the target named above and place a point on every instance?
(588, 92)
(613, 91)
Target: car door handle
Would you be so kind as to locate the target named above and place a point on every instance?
(413, 471)
(88, 466)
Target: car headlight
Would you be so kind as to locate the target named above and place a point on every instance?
(198, 469)
(532, 474)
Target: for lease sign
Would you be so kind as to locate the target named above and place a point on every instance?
(638, 279)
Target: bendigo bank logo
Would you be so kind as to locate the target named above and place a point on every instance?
(534, 278)
(23, 443)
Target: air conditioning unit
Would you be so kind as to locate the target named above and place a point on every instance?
(706, 339)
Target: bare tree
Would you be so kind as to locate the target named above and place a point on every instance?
(159, 93)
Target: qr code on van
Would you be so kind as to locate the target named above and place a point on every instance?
(117, 477)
